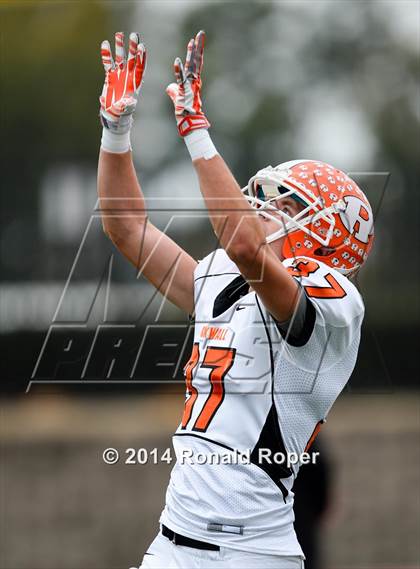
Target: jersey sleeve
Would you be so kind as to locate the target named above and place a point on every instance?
(332, 313)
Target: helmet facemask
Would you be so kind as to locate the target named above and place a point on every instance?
(270, 185)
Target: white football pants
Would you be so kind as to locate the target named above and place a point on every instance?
(163, 554)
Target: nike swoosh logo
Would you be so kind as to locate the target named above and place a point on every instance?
(240, 307)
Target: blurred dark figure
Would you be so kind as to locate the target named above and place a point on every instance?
(312, 490)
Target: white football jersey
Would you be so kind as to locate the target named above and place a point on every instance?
(249, 388)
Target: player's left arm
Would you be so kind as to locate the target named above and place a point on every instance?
(235, 222)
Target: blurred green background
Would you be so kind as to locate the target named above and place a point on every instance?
(331, 80)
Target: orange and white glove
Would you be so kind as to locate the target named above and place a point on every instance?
(123, 79)
(186, 92)
(186, 97)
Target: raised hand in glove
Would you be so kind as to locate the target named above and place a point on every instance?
(123, 79)
(185, 93)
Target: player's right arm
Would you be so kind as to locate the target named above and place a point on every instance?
(166, 265)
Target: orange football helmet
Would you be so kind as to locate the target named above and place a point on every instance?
(336, 222)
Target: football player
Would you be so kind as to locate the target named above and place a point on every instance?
(277, 322)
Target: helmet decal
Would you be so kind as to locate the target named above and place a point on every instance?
(357, 218)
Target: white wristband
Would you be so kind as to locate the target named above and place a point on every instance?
(200, 144)
(115, 143)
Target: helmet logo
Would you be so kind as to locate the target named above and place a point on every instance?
(357, 218)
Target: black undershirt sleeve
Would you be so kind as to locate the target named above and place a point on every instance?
(298, 329)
